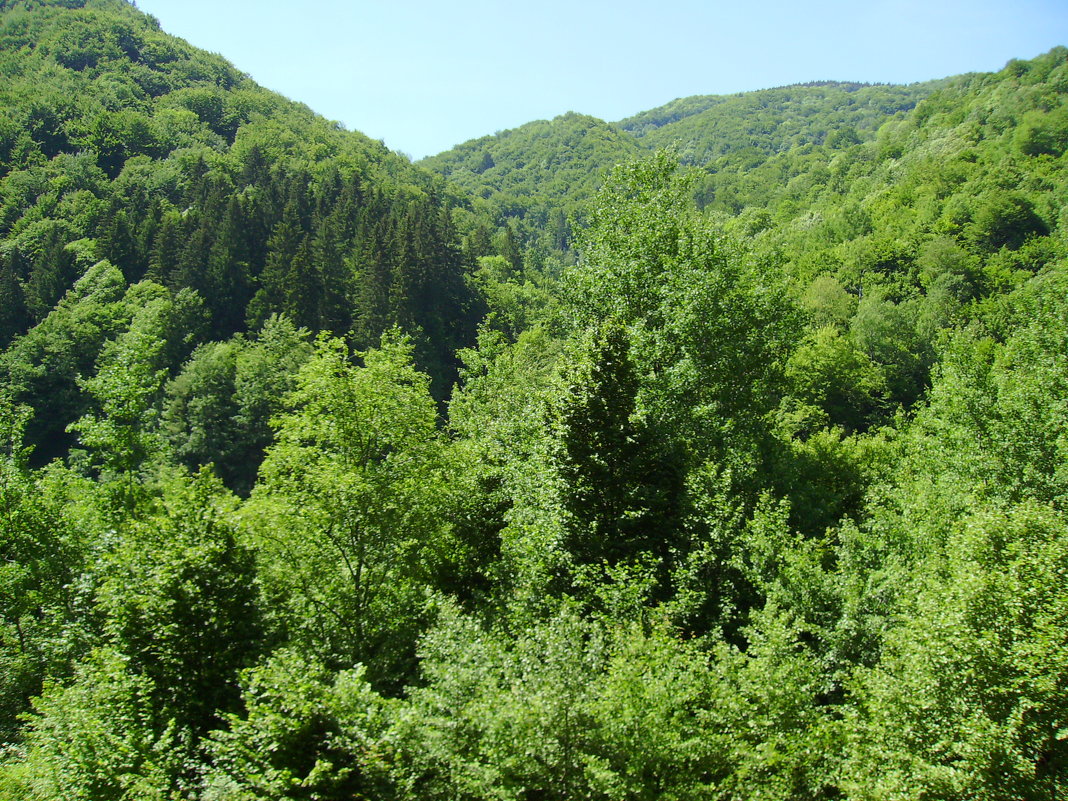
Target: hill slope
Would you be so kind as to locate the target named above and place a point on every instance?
(539, 174)
(709, 127)
(124, 144)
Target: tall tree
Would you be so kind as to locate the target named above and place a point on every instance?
(351, 481)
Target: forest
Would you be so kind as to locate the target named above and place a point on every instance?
(716, 453)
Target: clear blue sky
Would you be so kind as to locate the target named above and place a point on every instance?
(424, 75)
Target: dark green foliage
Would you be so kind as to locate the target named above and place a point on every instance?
(1004, 220)
(14, 318)
(621, 488)
(181, 605)
(218, 408)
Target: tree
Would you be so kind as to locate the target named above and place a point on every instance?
(181, 604)
(350, 481)
(968, 699)
(829, 371)
(497, 714)
(121, 430)
(14, 318)
(40, 561)
(1005, 220)
(41, 370)
(217, 410)
(710, 323)
(632, 241)
(97, 739)
(305, 732)
(621, 491)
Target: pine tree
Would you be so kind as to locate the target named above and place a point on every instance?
(621, 490)
(13, 316)
(226, 279)
(167, 248)
(275, 293)
(117, 245)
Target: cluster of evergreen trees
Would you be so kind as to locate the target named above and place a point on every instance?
(742, 478)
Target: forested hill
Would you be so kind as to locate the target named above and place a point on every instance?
(708, 127)
(542, 173)
(538, 174)
(732, 470)
(121, 143)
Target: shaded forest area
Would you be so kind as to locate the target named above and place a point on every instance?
(715, 453)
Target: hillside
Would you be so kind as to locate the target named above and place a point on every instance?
(709, 127)
(585, 468)
(539, 175)
(122, 143)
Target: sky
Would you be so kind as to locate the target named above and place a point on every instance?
(425, 75)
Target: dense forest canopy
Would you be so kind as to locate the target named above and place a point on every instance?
(718, 453)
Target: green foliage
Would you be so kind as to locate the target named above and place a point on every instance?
(828, 302)
(40, 370)
(129, 378)
(515, 302)
(710, 325)
(755, 125)
(218, 408)
(752, 485)
(969, 699)
(633, 239)
(306, 733)
(350, 482)
(181, 604)
(495, 721)
(98, 739)
(829, 371)
(1043, 133)
(533, 177)
(1004, 220)
(174, 165)
(573, 708)
(39, 560)
(540, 178)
